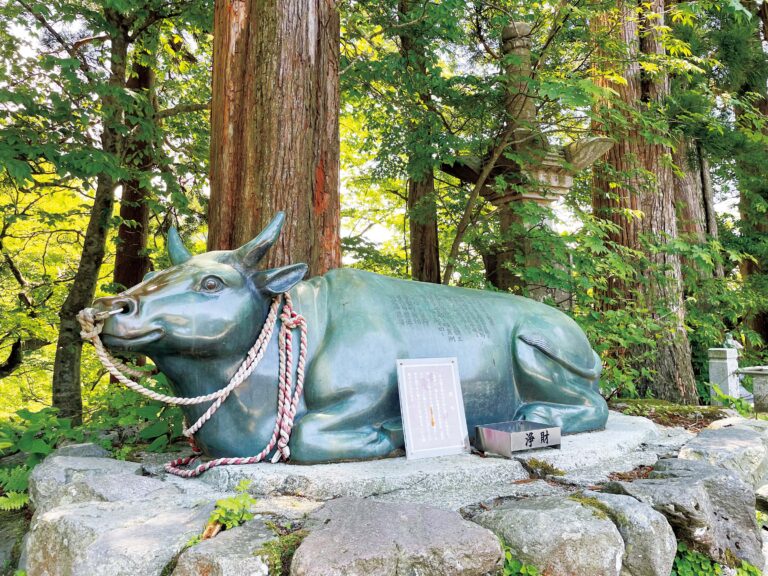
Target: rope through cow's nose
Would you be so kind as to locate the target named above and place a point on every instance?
(92, 322)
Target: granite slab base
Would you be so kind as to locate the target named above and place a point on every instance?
(450, 482)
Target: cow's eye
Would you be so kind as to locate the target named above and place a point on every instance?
(211, 284)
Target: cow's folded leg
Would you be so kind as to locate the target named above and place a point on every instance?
(315, 439)
(570, 417)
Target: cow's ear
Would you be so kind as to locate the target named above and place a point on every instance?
(251, 253)
(280, 280)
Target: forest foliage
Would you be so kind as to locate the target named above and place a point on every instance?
(425, 86)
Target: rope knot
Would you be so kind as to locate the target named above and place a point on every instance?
(90, 323)
(292, 320)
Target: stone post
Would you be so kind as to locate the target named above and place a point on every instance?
(518, 101)
(723, 372)
(520, 107)
(759, 386)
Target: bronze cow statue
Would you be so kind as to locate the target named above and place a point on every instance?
(518, 358)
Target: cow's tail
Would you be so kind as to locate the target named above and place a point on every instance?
(548, 349)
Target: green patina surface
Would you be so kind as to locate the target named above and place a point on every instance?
(518, 358)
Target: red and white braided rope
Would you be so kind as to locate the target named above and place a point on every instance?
(91, 322)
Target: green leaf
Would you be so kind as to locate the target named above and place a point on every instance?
(34, 446)
(14, 501)
(154, 430)
(158, 443)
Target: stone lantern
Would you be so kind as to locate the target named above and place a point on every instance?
(542, 180)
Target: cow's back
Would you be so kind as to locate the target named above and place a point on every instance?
(372, 320)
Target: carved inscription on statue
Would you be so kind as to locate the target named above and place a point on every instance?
(432, 407)
(457, 318)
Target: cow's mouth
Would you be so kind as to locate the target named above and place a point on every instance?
(132, 339)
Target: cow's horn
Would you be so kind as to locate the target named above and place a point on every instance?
(177, 252)
(251, 253)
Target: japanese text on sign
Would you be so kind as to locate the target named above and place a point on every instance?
(432, 407)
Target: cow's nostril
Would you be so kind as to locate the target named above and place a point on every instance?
(124, 306)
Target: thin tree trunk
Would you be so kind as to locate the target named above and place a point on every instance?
(694, 199)
(709, 199)
(66, 370)
(634, 157)
(422, 219)
(274, 128)
(422, 207)
(469, 209)
(131, 261)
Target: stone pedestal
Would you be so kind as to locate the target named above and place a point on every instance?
(759, 386)
(723, 372)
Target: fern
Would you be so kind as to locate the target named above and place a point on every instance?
(14, 501)
(14, 479)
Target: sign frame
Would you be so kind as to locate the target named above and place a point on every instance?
(459, 443)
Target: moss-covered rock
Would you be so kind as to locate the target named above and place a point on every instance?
(13, 526)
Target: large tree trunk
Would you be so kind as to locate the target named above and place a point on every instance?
(274, 128)
(131, 260)
(694, 199)
(634, 157)
(66, 369)
(753, 187)
(754, 226)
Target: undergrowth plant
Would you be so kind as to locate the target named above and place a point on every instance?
(692, 563)
(278, 553)
(235, 510)
(35, 434)
(228, 513)
(514, 567)
(119, 420)
(741, 405)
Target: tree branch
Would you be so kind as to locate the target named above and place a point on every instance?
(481, 36)
(467, 216)
(182, 109)
(59, 38)
(13, 361)
(89, 40)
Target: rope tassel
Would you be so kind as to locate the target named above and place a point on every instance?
(288, 396)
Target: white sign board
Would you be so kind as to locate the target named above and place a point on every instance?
(432, 407)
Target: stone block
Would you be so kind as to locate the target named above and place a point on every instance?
(743, 451)
(356, 536)
(124, 538)
(230, 553)
(558, 536)
(709, 508)
(649, 542)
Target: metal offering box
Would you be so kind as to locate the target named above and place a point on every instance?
(504, 438)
